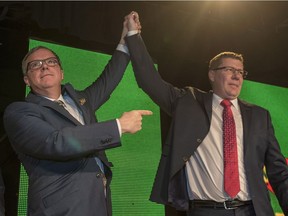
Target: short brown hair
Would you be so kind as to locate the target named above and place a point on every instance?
(217, 60)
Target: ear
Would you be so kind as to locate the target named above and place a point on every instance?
(211, 75)
(26, 80)
(62, 74)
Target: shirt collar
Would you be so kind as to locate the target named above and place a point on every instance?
(217, 100)
(51, 99)
(61, 98)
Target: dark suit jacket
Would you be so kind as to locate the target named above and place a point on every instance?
(191, 111)
(58, 152)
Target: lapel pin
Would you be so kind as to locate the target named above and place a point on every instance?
(82, 101)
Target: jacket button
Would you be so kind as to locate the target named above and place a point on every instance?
(104, 141)
(108, 140)
(199, 140)
(98, 175)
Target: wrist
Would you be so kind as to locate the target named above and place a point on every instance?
(132, 32)
(122, 41)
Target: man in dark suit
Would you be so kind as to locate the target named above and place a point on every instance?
(193, 169)
(58, 139)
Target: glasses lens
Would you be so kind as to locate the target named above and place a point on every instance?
(243, 73)
(34, 65)
(51, 61)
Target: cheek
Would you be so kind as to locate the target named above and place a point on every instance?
(226, 80)
(241, 82)
(221, 81)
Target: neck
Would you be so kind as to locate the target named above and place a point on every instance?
(50, 93)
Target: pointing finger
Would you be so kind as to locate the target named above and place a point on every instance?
(145, 112)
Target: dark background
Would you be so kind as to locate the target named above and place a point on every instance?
(181, 36)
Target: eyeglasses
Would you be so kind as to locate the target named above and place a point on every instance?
(36, 64)
(233, 70)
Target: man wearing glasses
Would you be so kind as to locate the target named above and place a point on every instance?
(212, 160)
(58, 139)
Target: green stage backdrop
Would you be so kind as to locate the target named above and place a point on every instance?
(135, 163)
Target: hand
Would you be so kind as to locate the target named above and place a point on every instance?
(131, 122)
(131, 22)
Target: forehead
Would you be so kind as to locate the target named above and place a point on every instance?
(40, 54)
(231, 62)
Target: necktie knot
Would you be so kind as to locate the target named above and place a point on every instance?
(60, 103)
(72, 110)
(226, 103)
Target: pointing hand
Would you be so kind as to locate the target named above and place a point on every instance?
(131, 122)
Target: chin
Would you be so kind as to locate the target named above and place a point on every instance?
(234, 97)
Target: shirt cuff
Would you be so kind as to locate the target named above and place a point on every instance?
(123, 48)
(133, 32)
(119, 127)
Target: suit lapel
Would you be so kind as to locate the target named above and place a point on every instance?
(79, 101)
(246, 120)
(207, 101)
(245, 109)
(44, 102)
(204, 99)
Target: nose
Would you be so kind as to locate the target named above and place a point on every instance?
(44, 66)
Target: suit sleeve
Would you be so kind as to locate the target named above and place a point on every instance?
(101, 89)
(276, 168)
(147, 77)
(32, 131)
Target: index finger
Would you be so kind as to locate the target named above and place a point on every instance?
(145, 112)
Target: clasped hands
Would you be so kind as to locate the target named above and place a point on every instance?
(131, 23)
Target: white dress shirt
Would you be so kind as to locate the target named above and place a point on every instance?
(205, 169)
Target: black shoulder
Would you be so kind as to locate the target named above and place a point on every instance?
(194, 91)
(250, 105)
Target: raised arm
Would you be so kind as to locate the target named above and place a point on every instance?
(147, 76)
